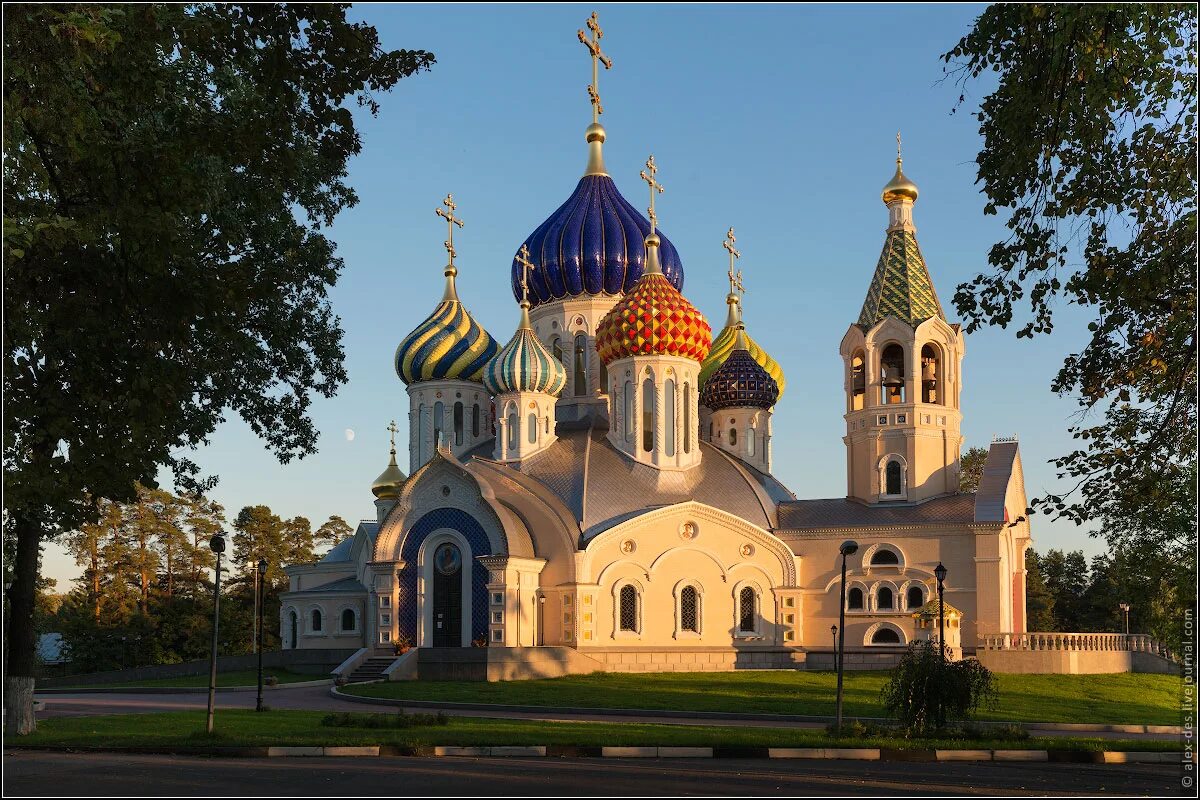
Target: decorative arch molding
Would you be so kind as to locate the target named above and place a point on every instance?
(887, 331)
(702, 512)
(639, 608)
(286, 613)
(878, 626)
(677, 596)
(864, 579)
(870, 551)
(884, 584)
(926, 592)
(881, 468)
(423, 493)
(306, 622)
(685, 550)
(354, 609)
(616, 566)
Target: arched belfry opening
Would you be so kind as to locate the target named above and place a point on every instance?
(931, 388)
(891, 375)
(858, 381)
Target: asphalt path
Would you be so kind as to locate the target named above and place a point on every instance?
(34, 773)
(318, 698)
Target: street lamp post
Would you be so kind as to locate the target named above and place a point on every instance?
(833, 629)
(939, 572)
(254, 616)
(542, 620)
(262, 601)
(1125, 608)
(217, 545)
(848, 548)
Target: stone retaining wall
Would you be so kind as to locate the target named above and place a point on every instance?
(315, 662)
(694, 660)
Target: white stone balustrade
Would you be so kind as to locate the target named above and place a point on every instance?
(1081, 642)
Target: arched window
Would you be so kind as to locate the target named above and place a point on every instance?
(294, 622)
(885, 636)
(648, 415)
(580, 365)
(884, 558)
(916, 597)
(732, 436)
(629, 608)
(475, 421)
(689, 609)
(858, 381)
(316, 620)
(710, 430)
(556, 348)
(547, 425)
(533, 426)
(747, 610)
(930, 390)
(687, 417)
(895, 483)
(512, 429)
(884, 600)
(669, 417)
(423, 447)
(892, 375)
(628, 398)
(458, 423)
(603, 376)
(438, 408)
(854, 600)
(348, 623)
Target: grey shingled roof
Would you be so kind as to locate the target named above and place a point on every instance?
(843, 513)
(603, 487)
(350, 584)
(993, 486)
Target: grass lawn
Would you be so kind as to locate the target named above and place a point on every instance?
(245, 677)
(247, 728)
(1107, 699)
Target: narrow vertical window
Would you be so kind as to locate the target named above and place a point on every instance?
(556, 348)
(669, 417)
(512, 429)
(689, 609)
(603, 376)
(747, 610)
(628, 411)
(458, 423)
(475, 421)
(687, 418)
(750, 441)
(316, 620)
(437, 423)
(580, 365)
(732, 436)
(648, 415)
(348, 620)
(423, 448)
(533, 426)
(629, 608)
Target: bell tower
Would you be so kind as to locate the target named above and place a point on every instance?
(903, 367)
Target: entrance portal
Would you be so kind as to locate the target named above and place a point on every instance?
(447, 596)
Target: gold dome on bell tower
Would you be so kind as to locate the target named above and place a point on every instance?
(899, 187)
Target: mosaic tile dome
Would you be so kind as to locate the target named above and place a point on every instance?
(524, 365)
(740, 382)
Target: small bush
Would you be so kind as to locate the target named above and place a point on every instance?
(350, 719)
(857, 729)
(271, 680)
(926, 690)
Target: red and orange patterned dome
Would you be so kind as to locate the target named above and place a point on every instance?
(653, 318)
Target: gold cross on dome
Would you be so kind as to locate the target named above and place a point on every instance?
(735, 279)
(527, 266)
(898, 146)
(598, 58)
(394, 430)
(451, 221)
(649, 178)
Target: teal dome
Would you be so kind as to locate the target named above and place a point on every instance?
(524, 365)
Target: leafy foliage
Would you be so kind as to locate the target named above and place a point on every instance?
(971, 469)
(925, 690)
(1090, 144)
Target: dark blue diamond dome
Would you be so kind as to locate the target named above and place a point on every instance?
(739, 383)
(593, 244)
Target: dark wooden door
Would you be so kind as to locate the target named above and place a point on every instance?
(447, 596)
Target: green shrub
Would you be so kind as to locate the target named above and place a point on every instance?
(926, 690)
(349, 719)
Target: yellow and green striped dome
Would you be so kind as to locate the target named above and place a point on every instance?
(449, 344)
(722, 348)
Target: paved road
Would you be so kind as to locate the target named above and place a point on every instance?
(317, 698)
(48, 774)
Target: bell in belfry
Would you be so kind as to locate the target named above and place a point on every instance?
(929, 372)
(891, 376)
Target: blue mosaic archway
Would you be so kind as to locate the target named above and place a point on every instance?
(473, 532)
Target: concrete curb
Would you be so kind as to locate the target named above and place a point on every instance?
(570, 751)
(730, 715)
(178, 689)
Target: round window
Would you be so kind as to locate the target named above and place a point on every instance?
(447, 558)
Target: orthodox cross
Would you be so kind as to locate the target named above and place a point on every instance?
(735, 279)
(649, 178)
(527, 266)
(394, 430)
(593, 46)
(451, 221)
(897, 146)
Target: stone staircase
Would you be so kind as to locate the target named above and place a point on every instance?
(371, 669)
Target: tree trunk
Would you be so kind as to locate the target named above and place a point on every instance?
(22, 638)
(96, 578)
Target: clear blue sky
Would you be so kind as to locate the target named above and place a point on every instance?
(777, 120)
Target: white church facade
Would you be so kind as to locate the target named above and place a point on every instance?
(602, 482)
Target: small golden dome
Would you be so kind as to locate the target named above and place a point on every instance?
(390, 482)
(899, 187)
(595, 132)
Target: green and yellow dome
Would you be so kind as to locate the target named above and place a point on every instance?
(723, 346)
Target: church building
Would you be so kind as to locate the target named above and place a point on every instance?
(601, 482)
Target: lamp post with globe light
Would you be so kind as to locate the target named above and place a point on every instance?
(848, 548)
(217, 545)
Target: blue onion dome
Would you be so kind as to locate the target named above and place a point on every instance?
(594, 243)
(448, 345)
(524, 364)
(740, 382)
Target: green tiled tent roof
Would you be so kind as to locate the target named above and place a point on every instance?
(901, 286)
